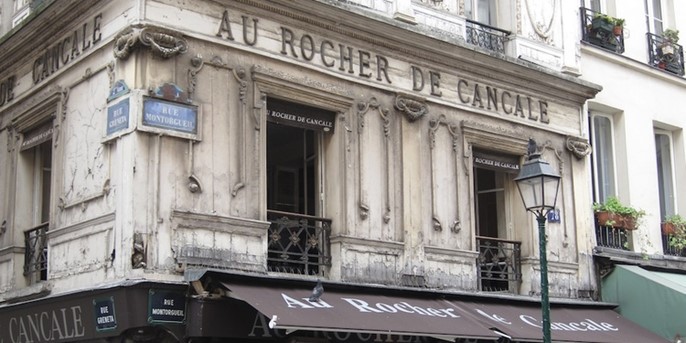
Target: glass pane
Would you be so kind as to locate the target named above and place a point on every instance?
(45, 152)
(595, 5)
(486, 12)
(604, 157)
(663, 152)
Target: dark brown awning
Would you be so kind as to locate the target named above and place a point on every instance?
(289, 308)
(522, 322)
(371, 310)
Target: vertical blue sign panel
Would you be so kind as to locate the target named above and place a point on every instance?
(166, 306)
(118, 117)
(169, 115)
(105, 319)
(554, 216)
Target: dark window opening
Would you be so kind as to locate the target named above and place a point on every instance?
(298, 238)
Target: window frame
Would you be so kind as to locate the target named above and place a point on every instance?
(672, 173)
(595, 144)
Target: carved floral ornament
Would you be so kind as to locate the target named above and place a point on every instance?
(579, 147)
(413, 109)
(163, 43)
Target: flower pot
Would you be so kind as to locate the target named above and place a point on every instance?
(605, 218)
(667, 49)
(668, 229)
(617, 30)
(615, 221)
(627, 223)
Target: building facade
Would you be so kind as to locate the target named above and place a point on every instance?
(638, 154)
(187, 171)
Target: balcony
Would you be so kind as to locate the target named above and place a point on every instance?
(670, 250)
(298, 243)
(612, 237)
(485, 36)
(598, 33)
(499, 264)
(36, 251)
(665, 55)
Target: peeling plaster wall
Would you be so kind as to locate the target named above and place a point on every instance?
(399, 191)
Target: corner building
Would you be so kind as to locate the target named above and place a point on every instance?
(177, 171)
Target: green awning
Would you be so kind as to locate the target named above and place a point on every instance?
(654, 300)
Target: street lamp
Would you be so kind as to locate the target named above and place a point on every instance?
(538, 184)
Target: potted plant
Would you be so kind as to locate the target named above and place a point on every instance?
(617, 215)
(670, 37)
(619, 26)
(602, 23)
(673, 224)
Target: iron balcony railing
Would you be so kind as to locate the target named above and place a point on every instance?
(665, 55)
(598, 33)
(36, 251)
(298, 243)
(668, 249)
(499, 264)
(486, 36)
(612, 237)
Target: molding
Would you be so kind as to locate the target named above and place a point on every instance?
(193, 220)
(363, 203)
(82, 225)
(434, 126)
(579, 147)
(375, 246)
(442, 254)
(11, 250)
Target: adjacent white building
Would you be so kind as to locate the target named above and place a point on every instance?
(176, 171)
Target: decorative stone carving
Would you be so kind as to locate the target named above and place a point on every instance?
(542, 20)
(197, 64)
(579, 147)
(163, 43)
(194, 185)
(124, 43)
(412, 108)
(138, 259)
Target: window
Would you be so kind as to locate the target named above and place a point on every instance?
(602, 141)
(654, 16)
(34, 175)
(499, 259)
(298, 237)
(483, 11)
(665, 179)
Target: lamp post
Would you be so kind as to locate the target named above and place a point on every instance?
(538, 184)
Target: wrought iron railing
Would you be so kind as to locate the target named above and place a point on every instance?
(665, 55)
(612, 237)
(36, 251)
(668, 249)
(298, 243)
(594, 32)
(486, 36)
(499, 264)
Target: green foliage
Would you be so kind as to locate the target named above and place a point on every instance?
(609, 19)
(671, 35)
(677, 238)
(613, 205)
